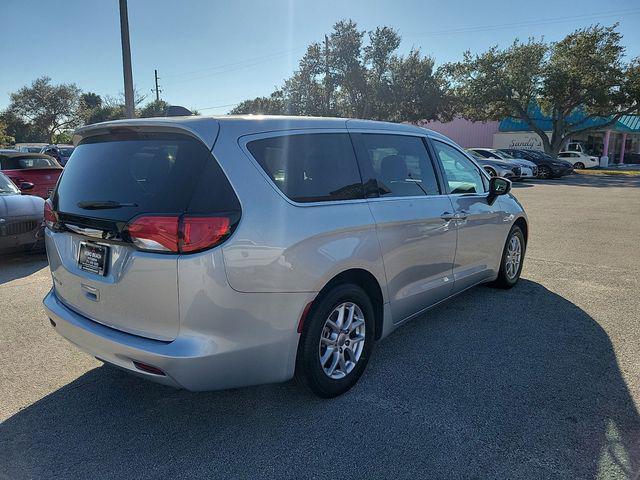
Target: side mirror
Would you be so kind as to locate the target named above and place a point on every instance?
(26, 186)
(498, 186)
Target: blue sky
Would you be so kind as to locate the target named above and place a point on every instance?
(213, 54)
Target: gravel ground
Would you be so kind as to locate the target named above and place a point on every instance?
(542, 381)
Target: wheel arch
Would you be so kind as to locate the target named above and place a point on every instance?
(490, 170)
(522, 223)
(369, 283)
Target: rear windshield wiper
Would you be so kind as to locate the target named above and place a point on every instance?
(103, 204)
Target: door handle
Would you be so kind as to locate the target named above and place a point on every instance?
(462, 215)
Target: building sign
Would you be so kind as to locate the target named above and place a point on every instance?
(518, 140)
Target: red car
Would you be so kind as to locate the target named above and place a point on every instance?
(25, 169)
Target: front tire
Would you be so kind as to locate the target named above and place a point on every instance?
(337, 341)
(512, 259)
(544, 173)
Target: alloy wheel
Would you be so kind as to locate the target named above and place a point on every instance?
(514, 257)
(544, 172)
(342, 340)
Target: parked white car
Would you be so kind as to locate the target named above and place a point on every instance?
(579, 160)
(527, 169)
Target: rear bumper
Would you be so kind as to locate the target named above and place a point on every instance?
(190, 361)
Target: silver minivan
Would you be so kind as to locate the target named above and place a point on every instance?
(209, 253)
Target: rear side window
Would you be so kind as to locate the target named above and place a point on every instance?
(400, 164)
(315, 167)
(146, 173)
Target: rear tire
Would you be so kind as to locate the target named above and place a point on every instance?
(514, 250)
(578, 165)
(336, 339)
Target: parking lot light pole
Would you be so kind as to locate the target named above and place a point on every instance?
(126, 60)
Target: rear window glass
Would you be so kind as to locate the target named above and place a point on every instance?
(310, 167)
(151, 173)
(22, 163)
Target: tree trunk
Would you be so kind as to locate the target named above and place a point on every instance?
(557, 140)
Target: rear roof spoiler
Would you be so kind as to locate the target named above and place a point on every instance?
(204, 129)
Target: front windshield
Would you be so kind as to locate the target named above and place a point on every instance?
(502, 155)
(6, 186)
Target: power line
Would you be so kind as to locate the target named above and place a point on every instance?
(524, 23)
(220, 106)
(220, 72)
(239, 62)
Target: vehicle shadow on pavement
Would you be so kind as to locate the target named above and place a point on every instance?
(495, 384)
(528, 184)
(20, 265)
(601, 181)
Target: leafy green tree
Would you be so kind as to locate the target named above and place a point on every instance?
(157, 108)
(95, 109)
(65, 137)
(581, 82)
(90, 100)
(353, 78)
(49, 108)
(272, 105)
(21, 130)
(5, 138)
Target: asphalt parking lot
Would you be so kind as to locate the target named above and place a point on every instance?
(542, 381)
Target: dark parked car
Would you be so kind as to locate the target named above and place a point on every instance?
(41, 171)
(548, 166)
(60, 152)
(21, 218)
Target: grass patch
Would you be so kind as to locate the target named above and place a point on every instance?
(607, 172)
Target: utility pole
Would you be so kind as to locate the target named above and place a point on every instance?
(126, 60)
(327, 77)
(157, 90)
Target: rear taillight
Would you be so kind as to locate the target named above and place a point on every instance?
(198, 233)
(50, 217)
(178, 234)
(155, 233)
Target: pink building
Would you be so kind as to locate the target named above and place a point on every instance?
(464, 132)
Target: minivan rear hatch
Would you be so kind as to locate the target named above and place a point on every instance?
(110, 181)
